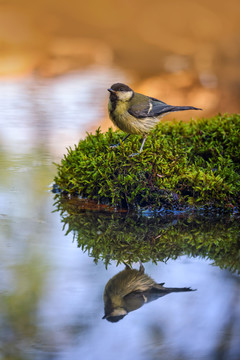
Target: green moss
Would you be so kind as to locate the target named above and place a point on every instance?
(182, 164)
(131, 237)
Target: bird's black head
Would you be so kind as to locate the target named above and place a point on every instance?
(115, 314)
(121, 92)
(114, 319)
(120, 87)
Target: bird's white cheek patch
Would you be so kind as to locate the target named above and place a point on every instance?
(124, 95)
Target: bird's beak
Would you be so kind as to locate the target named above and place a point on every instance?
(104, 317)
(112, 91)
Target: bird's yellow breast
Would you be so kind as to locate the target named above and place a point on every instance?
(126, 122)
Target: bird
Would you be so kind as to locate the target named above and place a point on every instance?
(136, 113)
(129, 290)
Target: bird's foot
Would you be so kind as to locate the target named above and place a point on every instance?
(134, 154)
(114, 146)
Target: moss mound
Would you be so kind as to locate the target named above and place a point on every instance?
(182, 164)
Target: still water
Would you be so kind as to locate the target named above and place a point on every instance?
(53, 280)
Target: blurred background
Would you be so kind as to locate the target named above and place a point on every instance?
(181, 51)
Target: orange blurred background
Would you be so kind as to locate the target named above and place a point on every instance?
(183, 52)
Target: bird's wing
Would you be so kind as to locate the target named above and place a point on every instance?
(147, 107)
(134, 301)
(151, 107)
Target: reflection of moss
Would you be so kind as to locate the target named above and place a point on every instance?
(197, 163)
(130, 238)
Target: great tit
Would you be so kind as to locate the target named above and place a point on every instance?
(135, 113)
(129, 290)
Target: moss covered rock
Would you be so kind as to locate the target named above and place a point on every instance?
(182, 164)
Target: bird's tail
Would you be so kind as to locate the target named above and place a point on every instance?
(167, 290)
(171, 108)
(159, 291)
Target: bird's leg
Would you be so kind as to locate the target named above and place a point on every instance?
(144, 139)
(125, 137)
(141, 268)
(127, 267)
(113, 146)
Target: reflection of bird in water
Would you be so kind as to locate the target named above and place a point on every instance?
(129, 290)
